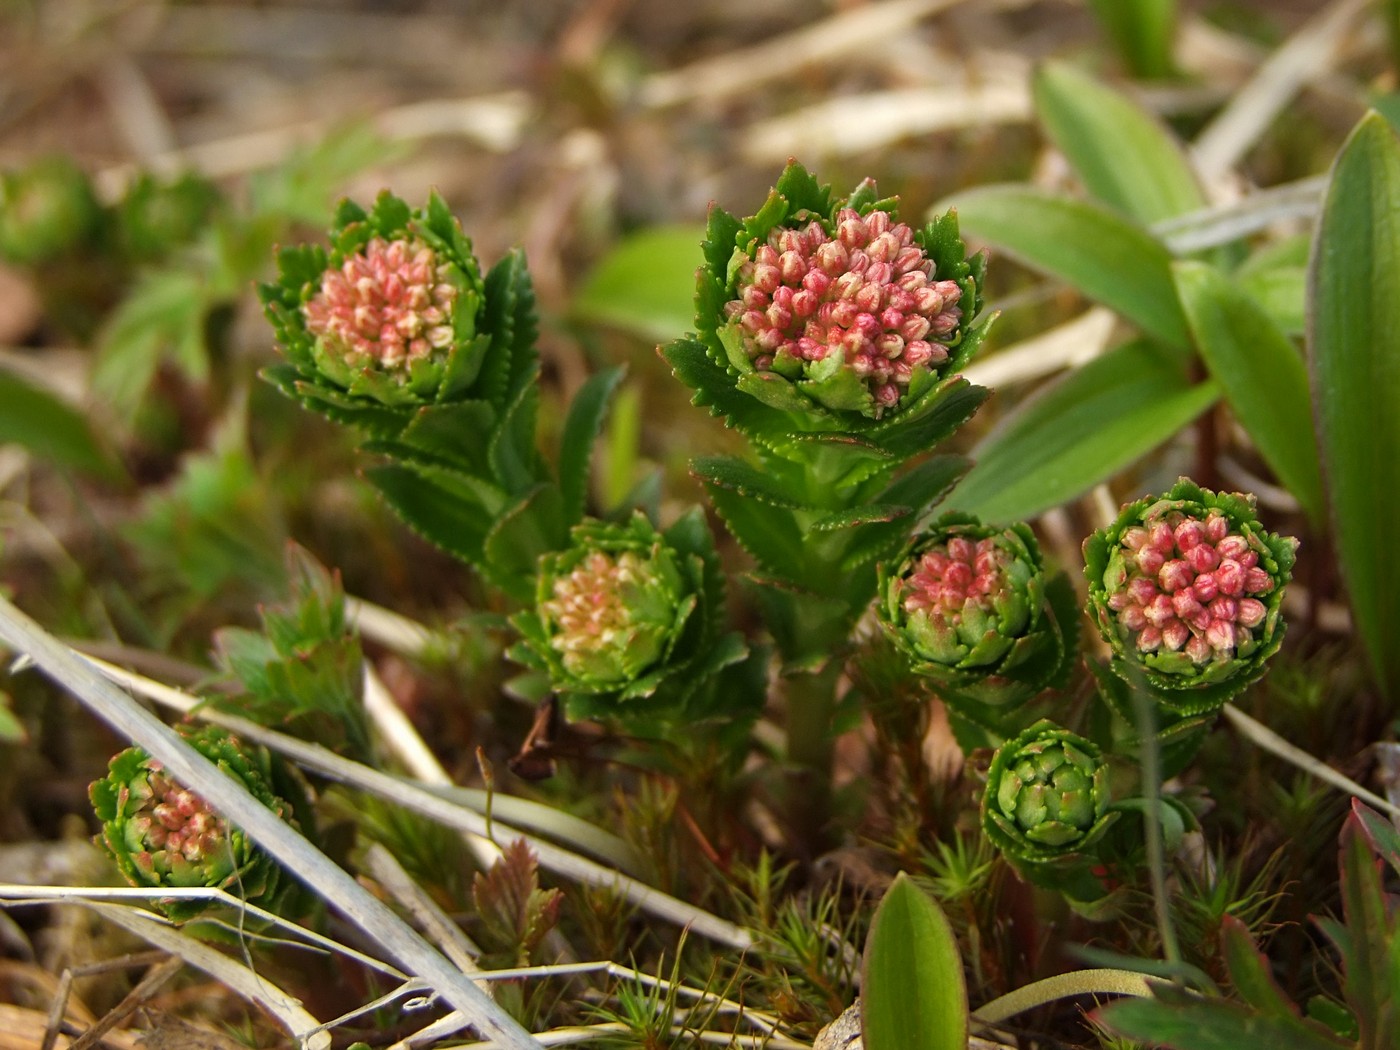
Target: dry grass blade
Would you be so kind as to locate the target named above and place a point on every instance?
(233, 800)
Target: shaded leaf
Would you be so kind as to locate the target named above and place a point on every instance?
(646, 284)
(50, 428)
(581, 429)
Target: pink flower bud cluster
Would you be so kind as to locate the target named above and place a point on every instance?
(177, 821)
(588, 606)
(867, 292)
(390, 302)
(1190, 587)
(950, 576)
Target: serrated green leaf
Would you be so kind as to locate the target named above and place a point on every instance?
(912, 988)
(50, 428)
(1354, 343)
(442, 518)
(524, 531)
(646, 284)
(1109, 259)
(1261, 374)
(767, 532)
(748, 481)
(1078, 432)
(1125, 156)
(163, 316)
(581, 429)
(1249, 971)
(865, 514)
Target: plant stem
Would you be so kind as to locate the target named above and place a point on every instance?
(811, 697)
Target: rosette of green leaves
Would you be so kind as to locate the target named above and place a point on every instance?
(627, 624)
(1046, 805)
(46, 209)
(974, 609)
(164, 836)
(817, 413)
(459, 426)
(1189, 680)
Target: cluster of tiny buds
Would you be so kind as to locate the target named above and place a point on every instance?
(950, 575)
(868, 292)
(1190, 587)
(176, 820)
(588, 605)
(389, 302)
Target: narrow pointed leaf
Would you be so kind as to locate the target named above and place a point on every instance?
(912, 991)
(1354, 342)
(1142, 30)
(1260, 373)
(1083, 430)
(1124, 155)
(581, 430)
(1106, 257)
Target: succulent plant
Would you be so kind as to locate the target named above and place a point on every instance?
(826, 315)
(1047, 799)
(161, 834)
(625, 620)
(1187, 589)
(969, 606)
(46, 209)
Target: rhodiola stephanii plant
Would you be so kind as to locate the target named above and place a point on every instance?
(831, 335)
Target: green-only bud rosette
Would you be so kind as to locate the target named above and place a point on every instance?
(46, 209)
(626, 621)
(970, 606)
(392, 316)
(824, 320)
(1046, 804)
(1187, 589)
(162, 835)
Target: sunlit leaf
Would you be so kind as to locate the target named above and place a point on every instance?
(1354, 341)
(1124, 155)
(1104, 256)
(646, 284)
(912, 992)
(1261, 374)
(1079, 432)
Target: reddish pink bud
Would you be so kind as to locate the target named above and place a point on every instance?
(1150, 560)
(1229, 577)
(1174, 635)
(1159, 611)
(1257, 581)
(1202, 558)
(1174, 575)
(1252, 612)
(1198, 649)
(1150, 640)
(1133, 618)
(1221, 635)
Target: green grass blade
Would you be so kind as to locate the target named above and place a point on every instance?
(1261, 373)
(1354, 341)
(1142, 31)
(913, 994)
(1078, 432)
(1108, 258)
(1124, 155)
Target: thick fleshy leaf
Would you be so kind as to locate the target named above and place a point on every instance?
(1108, 258)
(1124, 155)
(49, 428)
(646, 284)
(1087, 427)
(912, 988)
(581, 429)
(1261, 374)
(1354, 342)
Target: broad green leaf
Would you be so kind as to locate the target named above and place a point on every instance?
(1354, 342)
(912, 989)
(1108, 258)
(1261, 374)
(50, 428)
(646, 284)
(1079, 432)
(1124, 155)
(1142, 30)
(581, 429)
(1282, 291)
